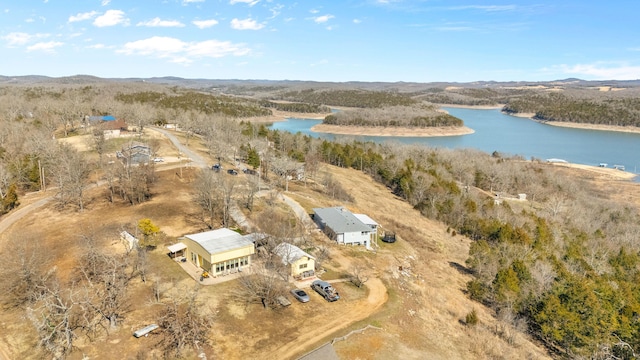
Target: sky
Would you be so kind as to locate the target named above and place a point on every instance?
(323, 40)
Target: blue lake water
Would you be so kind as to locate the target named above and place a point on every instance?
(509, 135)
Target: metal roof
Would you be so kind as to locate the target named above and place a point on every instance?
(220, 240)
(290, 253)
(176, 247)
(366, 219)
(340, 220)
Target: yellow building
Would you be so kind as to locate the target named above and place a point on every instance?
(301, 264)
(219, 251)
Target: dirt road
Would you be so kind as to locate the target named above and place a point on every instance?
(377, 297)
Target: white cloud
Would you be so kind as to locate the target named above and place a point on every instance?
(97, 46)
(601, 70)
(105, 2)
(314, 11)
(319, 63)
(185, 2)
(322, 19)
(82, 16)
(488, 8)
(157, 22)
(203, 24)
(45, 46)
(111, 18)
(275, 11)
(247, 24)
(454, 28)
(178, 51)
(357, 21)
(248, 2)
(20, 38)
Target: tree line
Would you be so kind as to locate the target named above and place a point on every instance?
(348, 98)
(296, 107)
(617, 111)
(198, 101)
(420, 116)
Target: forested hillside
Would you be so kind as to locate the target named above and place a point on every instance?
(420, 116)
(197, 101)
(565, 264)
(349, 98)
(580, 107)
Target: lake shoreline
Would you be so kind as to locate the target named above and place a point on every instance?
(392, 131)
(601, 171)
(531, 116)
(566, 124)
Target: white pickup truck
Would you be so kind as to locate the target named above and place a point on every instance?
(325, 289)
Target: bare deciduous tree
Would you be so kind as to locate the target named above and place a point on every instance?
(184, 325)
(107, 276)
(359, 275)
(24, 277)
(71, 172)
(262, 286)
(56, 315)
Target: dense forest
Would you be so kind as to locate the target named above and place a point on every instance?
(197, 101)
(348, 98)
(424, 115)
(563, 265)
(469, 96)
(579, 108)
(296, 107)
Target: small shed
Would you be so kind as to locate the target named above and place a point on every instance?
(129, 240)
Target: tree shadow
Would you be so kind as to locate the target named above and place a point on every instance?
(460, 268)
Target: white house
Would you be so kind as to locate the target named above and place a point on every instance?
(301, 264)
(370, 223)
(344, 227)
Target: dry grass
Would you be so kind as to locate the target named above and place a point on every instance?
(423, 273)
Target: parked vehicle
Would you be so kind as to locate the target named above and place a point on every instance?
(232, 172)
(158, 159)
(325, 289)
(300, 295)
(216, 167)
(145, 330)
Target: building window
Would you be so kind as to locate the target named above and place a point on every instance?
(194, 258)
(302, 266)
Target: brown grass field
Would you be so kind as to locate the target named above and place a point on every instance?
(415, 294)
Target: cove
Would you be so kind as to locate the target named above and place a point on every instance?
(510, 135)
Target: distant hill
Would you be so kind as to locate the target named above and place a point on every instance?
(380, 86)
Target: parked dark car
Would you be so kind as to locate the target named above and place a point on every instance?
(232, 172)
(301, 295)
(216, 167)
